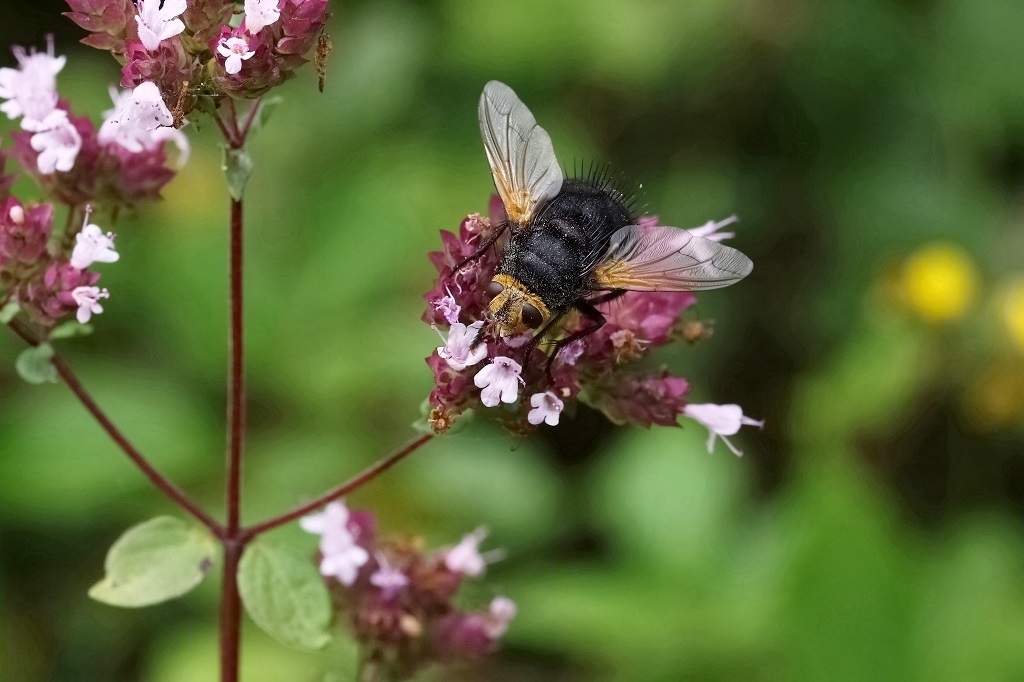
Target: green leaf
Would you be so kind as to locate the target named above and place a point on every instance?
(34, 366)
(70, 329)
(267, 107)
(285, 594)
(152, 562)
(237, 167)
(8, 312)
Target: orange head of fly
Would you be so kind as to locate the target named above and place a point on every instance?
(513, 308)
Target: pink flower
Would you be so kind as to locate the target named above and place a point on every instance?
(499, 381)
(547, 408)
(24, 233)
(301, 21)
(92, 246)
(644, 399)
(710, 230)
(87, 300)
(501, 612)
(171, 67)
(263, 69)
(389, 579)
(57, 141)
(465, 557)
(341, 557)
(136, 122)
(205, 17)
(458, 349)
(721, 421)
(31, 89)
(48, 297)
(258, 14)
(447, 306)
(158, 20)
(235, 51)
(106, 20)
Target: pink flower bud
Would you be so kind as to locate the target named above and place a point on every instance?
(261, 71)
(24, 233)
(175, 72)
(644, 399)
(299, 26)
(50, 297)
(109, 22)
(205, 17)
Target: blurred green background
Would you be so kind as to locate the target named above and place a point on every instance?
(874, 151)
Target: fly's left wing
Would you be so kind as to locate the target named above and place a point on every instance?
(526, 172)
(668, 259)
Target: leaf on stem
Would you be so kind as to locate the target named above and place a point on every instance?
(152, 562)
(237, 167)
(70, 329)
(34, 365)
(267, 106)
(285, 594)
(9, 311)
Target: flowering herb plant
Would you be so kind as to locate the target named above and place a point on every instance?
(182, 59)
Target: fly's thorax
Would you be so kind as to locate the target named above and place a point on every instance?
(514, 308)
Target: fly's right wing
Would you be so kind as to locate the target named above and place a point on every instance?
(668, 259)
(526, 172)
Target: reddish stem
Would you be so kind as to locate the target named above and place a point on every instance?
(230, 612)
(236, 377)
(158, 479)
(345, 488)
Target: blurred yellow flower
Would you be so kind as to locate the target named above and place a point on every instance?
(1013, 311)
(939, 281)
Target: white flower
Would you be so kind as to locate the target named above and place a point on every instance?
(31, 89)
(546, 408)
(389, 579)
(87, 299)
(334, 515)
(136, 115)
(342, 557)
(92, 246)
(57, 142)
(458, 349)
(158, 23)
(499, 615)
(710, 229)
(343, 562)
(235, 50)
(139, 122)
(720, 420)
(448, 307)
(499, 380)
(260, 13)
(465, 557)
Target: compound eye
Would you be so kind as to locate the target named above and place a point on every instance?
(493, 289)
(531, 316)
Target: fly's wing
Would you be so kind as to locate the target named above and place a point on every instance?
(522, 159)
(668, 259)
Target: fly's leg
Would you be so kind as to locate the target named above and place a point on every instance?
(588, 310)
(482, 250)
(532, 344)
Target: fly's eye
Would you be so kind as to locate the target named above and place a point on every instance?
(493, 289)
(531, 316)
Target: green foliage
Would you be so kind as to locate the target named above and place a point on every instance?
(237, 167)
(152, 562)
(285, 594)
(34, 364)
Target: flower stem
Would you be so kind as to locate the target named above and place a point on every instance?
(357, 481)
(161, 482)
(236, 378)
(230, 612)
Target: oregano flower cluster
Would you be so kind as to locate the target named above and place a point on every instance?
(515, 383)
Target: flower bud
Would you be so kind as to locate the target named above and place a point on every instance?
(24, 233)
(109, 22)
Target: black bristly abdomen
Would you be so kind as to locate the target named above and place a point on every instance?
(554, 257)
